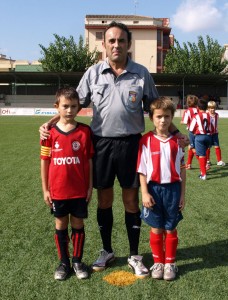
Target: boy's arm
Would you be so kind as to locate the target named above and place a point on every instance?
(183, 187)
(90, 189)
(44, 134)
(147, 199)
(44, 179)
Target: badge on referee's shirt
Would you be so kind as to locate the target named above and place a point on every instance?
(132, 96)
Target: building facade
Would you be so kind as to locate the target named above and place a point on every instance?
(151, 37)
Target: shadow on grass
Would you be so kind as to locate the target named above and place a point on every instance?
(217, 172)
(200, 257)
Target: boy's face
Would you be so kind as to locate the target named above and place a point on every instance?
(162, 119)
(68, 108)
(211, 110)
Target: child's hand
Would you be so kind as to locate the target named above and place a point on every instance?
(47, 199)
(148, 200)
(182, 204)
(44, 133)
(183, 140)
(89, 194)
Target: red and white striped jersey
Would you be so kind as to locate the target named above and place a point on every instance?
(188, 115)
(214, 123)
(201, 123)
(160, 160)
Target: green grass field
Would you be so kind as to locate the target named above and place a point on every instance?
(27, 251)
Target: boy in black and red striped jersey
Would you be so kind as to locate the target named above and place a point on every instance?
(66, 173)
(162, 176)
(186, 119)
(211, 106)
(201, 127)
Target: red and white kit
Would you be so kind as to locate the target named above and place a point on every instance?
(157, 154)
(201, 124)
(188, 115)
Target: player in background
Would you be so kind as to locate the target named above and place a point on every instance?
(201, 127)
(162, 174)
(66, 173)
(211, 106)
(186, 119)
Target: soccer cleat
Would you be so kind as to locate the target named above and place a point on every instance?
(157, 271)
(103, 260)
(135, 263)
(61, 272)
(203, 177)
(221, 163)
(188, 167)
(170, 271)
(208, 162)
(81, 270)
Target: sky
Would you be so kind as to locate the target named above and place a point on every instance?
(24, 24)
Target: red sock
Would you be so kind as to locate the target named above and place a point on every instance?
(202, 165)
(208, 154)
(157, 247)
(171, 242)
(190, 156)
(218, 154)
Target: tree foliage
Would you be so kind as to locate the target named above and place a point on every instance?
(201, 58)
(64, 55)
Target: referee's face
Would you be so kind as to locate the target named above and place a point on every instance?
(116, 45)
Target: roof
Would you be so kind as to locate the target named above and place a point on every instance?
(72, 78)
(120, 17)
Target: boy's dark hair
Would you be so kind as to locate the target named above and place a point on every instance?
(202, 104)
(192, 101)
(67, 92)
(121, 26)
(164, 103)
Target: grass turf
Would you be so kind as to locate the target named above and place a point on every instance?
(27, 251)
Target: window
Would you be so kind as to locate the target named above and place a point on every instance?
(159, 58)
(159, 38)
(99, 35)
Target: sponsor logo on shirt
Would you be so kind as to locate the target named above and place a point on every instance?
(132, 96)
(57, 149)
(66, 160)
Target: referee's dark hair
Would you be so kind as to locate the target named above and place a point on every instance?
(121, 26)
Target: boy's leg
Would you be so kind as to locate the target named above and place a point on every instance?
(171, 242)
(157, 248)
(62, 239)
(218, 153)
(78, 239)
(62, 243)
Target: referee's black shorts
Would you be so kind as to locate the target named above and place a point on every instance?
(115, 157)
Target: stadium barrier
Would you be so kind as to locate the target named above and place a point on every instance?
(88, 112)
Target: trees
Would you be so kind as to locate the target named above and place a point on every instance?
(192, 58)
(64, 55)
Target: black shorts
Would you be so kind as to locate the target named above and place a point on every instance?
(75, 207)
(116, 157)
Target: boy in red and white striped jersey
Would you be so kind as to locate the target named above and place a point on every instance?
(162, 176)
(215, 140)
(201, 127)
(186, 119)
